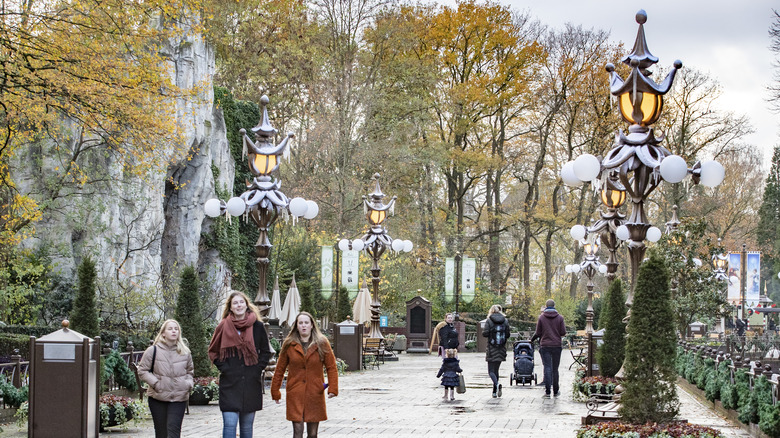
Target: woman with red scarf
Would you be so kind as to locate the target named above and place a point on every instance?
(240, 350)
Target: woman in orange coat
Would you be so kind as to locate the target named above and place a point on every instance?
(304, 353)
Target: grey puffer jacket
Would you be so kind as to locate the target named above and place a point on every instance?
(494, 353)
(172, 378)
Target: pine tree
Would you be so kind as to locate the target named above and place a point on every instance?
(85, 317)
(344, 309)
(768, 230)
(611, 353)
(650, 376)
(190, 318)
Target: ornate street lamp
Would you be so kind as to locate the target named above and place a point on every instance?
(262, 201)
(375, 242)
(637, 159)
(589, 266)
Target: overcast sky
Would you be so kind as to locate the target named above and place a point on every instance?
(724, 38)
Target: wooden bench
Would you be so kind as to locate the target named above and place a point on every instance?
(602, 407)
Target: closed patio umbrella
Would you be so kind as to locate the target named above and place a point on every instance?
(276, 302)
(292, 305)
(361, 309)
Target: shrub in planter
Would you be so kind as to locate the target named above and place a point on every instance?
(728, 395)
(610, 355)
(769, 419)
(760, 395)
(204, 390)
(114, 365)
(618, 429)
(650, 391)
(13, 396)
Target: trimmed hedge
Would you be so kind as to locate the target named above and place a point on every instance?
(753, 406)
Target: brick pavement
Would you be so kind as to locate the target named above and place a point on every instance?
(403, 399)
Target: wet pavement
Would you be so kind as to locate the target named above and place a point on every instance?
(404, 399)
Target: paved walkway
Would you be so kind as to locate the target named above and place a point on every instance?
(403, 399)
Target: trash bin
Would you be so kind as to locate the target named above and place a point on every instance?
(481, 340)
(348, 337)
(64, 387)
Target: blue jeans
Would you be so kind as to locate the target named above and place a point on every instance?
(231, 419)
(551, 358)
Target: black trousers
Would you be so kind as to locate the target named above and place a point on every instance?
(167, 418)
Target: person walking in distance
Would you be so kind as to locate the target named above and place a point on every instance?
(445, 335)
(167, 368)
(550, 328)
(497, 332)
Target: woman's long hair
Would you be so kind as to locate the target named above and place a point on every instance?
(181, 343)
(435, 336)
(316, 336)
(250, 306)
(495, 308)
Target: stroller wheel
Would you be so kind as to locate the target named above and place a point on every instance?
(534, 379)
(511, 379)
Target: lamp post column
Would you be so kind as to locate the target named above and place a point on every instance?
(457, 286)
(375, 250)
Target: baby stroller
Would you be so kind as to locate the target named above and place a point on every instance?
(523, 363)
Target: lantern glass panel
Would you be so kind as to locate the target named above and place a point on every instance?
(649, 106)
(265, 163)
(613, 198)
(376, 217)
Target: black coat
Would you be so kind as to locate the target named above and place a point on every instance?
(241, 386)
(494, 353)
(448, 336)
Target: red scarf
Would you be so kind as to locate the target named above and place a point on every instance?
(227, 341)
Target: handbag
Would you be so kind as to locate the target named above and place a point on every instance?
(461, 384)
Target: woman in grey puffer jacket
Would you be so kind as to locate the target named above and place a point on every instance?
(167, 368)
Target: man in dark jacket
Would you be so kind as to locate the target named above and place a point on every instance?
(549, 330)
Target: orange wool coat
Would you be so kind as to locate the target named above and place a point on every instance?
(305, 380)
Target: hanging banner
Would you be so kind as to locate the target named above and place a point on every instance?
(753, 273)
(349, 272)
(326, 272)
(735, 265)
(449, 279)
(469, 273)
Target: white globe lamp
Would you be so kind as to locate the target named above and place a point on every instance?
(568, 176)
(358, 245)
(587, 167)
(212, 207)
(343, 245)
(577, 232)
(298, 206)
(312, 209)
(674, 169)
(408, 245)
(712, 173)
(236, 206)
(654, 234)
(622, 232)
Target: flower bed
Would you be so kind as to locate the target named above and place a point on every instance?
(617, 429)
(586, 386)
(205, 390)
(117, 410)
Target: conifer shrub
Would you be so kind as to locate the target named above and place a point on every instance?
(85, 316)
(611, 353)
(344, 309)
(190, 318)
(650, 392)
